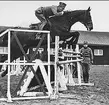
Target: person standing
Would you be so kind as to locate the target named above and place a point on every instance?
(87, 55)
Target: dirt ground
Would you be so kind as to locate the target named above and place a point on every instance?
(79, 95)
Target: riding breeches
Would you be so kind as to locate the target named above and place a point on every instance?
(85, 68)
(40, 16)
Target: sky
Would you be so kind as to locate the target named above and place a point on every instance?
(22, 13)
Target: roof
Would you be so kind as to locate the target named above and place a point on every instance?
(94, 38)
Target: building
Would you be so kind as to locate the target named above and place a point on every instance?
(99, 43)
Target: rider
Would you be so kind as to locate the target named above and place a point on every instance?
(46, 12)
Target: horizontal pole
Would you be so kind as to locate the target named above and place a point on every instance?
(3, 99)
(71, 52)
(52, 63)
(3, 53)
(3, 33)
(69, 61)
(44, 63)
(33, 94)
(81, 84)
(29, 98)
(25, 98)
(38, 86)
(71, 56)
(22, 30)
(25, 30)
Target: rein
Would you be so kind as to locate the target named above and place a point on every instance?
(85, 18)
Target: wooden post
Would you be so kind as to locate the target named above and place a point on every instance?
(78, 66)
(9, 55)
(56, 60)
(48, 36)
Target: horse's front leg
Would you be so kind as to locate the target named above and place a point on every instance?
(2, 60)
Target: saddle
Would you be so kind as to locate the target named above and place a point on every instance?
(39, 26)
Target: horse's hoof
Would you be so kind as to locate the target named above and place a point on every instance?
(2, 74)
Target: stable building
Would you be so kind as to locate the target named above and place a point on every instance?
(99, 43)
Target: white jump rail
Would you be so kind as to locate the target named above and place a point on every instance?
(9, 98)
(70, 61)
(70, 55)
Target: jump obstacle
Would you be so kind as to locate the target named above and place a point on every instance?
(61, 81)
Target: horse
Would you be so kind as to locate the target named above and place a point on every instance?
(58, 26)
(61, 24)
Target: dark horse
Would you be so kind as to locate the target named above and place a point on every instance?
(58, 26)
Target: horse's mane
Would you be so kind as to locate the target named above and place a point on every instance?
(69, 13)
(74, 11)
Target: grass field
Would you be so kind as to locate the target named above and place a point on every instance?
(79, 95)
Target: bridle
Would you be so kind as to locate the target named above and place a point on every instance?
(85, 19)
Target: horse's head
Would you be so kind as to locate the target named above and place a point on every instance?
(85, 18)
(82, 16)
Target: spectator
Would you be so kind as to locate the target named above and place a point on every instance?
(87, 55)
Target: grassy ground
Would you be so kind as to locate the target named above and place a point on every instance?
(78, 95)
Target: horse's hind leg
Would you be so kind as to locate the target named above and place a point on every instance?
(75, 38)
(3, 59)
(4, 72)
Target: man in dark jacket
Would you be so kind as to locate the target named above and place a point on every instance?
(46, 12)
(87, 55)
